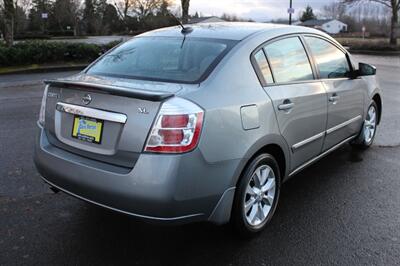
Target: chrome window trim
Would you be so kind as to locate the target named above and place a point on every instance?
(307, 141)
(90, 112)
(342, 125)
(293, 83)
(335, 79)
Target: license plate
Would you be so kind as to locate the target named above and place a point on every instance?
(87, 129)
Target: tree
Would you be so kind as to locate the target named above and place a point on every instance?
(111, 20)
(89, 17)
(393, 5)
(143, 8)
(63, 14)
(20, 20)
(334, 10)
(9, 14)
(36, 22)
(185, 10)
(164, 11)
(234, 18)
(308, 14)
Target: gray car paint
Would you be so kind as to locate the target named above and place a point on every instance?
(199, 185)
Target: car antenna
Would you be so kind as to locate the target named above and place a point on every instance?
(185, 30)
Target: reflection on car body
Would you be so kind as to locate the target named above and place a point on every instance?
(205, 129)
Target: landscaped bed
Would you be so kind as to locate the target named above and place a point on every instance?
(370, 44)
(30, 53)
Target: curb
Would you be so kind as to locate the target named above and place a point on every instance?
(45, 69)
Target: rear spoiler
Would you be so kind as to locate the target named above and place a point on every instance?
(154, 96)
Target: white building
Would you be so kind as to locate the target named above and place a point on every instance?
(331, 26)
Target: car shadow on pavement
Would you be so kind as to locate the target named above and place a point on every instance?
(299, 224)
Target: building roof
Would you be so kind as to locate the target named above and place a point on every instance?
(315, 22)
(220, 30)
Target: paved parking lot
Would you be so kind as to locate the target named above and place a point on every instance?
(344, 210)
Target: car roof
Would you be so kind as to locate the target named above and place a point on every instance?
(218, 30)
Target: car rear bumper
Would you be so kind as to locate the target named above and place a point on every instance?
(160, 188)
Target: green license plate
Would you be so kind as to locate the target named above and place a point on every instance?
(87, 129)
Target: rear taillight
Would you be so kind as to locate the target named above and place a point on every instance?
(42, 112)
(177, 128)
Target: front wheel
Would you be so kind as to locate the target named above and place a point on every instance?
(368, 131)
(257, 195)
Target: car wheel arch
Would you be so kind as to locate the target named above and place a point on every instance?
(276, 149)
(378, 100)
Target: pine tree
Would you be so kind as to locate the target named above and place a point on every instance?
(9, 13)
(89, 17)
(308, 14)
(36, 22)
(185, 10)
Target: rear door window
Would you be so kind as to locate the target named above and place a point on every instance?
(263, 66)
(289, 61)
(331, 62)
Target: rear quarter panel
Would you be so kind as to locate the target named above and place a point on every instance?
(232, 86)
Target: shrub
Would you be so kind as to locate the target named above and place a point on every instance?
(368, 44)
(39, 52)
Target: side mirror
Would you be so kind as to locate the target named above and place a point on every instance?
(366, 70)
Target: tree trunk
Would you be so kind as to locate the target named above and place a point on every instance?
(394, 25)
(9, 22)
(185, 11)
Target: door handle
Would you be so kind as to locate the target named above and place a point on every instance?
(286, 106)
(334, 98)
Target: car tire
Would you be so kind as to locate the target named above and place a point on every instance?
(256, 196)
(368, 130)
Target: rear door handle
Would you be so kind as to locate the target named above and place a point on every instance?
(334, 98)
(286, 106)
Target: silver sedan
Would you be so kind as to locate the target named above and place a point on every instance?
(204, 123)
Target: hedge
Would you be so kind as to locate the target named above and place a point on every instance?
(369, 44)
(45, 52)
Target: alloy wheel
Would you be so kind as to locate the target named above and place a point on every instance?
(370, 125)
(260, 195)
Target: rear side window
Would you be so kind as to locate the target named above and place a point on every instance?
(263, 66)
(288, 60)
(331, 62)
(163, 59)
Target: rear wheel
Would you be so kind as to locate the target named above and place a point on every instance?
(256, 196)
(368, 131)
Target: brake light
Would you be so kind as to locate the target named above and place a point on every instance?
(177, 128)
(171, 121)
(42, 112)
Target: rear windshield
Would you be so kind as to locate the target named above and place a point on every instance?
(167, 59)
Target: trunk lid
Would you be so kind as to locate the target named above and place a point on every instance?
(121, 112)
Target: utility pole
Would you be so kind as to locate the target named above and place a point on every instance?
(290, 11)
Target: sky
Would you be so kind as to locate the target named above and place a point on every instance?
(258, 10)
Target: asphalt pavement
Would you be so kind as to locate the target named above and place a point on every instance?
(344, 210)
